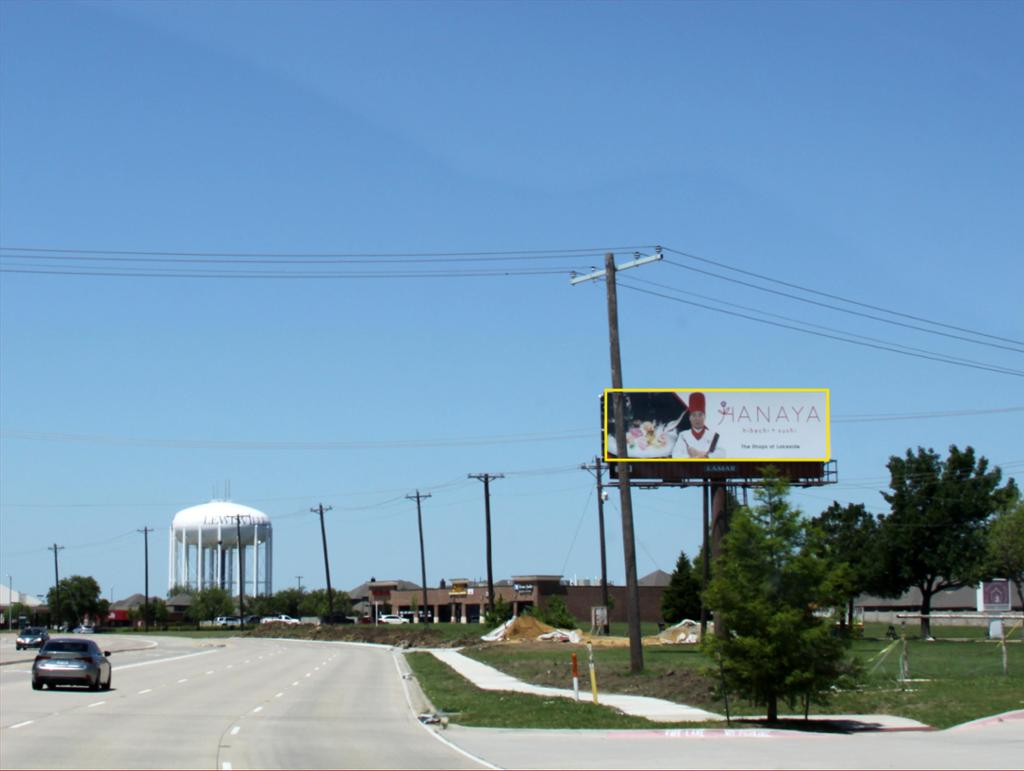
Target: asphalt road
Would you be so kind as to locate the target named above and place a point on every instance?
(182, 703)
(241, 703)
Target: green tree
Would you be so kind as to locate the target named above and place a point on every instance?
(315, 603)
(848, 537)
(1006, 545)
(78, 597)
(935, 537)
(767, 584)
(681, 598)
(290, 601)
(499, 614)
(555, 613)
(177, 589)
(209, 603)
(158, 613)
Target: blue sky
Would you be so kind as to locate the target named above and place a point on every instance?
(868, 150)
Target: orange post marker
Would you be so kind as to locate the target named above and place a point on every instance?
(575, 677)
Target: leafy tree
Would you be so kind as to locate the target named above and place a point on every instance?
(290, 601)
(315, 603)
(681, 598)
(499, 614)
(78, 598)
(555, 613)
(1006, 545)
(848, 537)
(767, 584)
(158, 613)
(209, 603)
(935, 537)
(177, 589)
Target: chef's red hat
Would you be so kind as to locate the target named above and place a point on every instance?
(696, 402)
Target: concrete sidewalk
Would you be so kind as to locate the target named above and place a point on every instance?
(490, 679)
(657, 710)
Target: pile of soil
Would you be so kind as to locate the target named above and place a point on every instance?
(526, 627)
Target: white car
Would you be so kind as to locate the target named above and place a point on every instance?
(392, 620)
(281, 618)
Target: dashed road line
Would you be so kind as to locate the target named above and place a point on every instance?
(258, 709)
(279, 695)
(295, 683)
(97, 703)
(235, 730)
(145, 690)
(209, 671)
(183, 680)
(22, 725)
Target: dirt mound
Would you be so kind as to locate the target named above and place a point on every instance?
(526, 628)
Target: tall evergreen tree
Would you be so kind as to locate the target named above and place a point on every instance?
(682, 595)
(767, 584)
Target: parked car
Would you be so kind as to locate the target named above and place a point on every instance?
(252, 619)
(280, 618)
(84, 629)
(71, 661)
(391, 619)
(31, 637)
(227, 621)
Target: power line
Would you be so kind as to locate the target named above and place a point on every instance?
(768, 314)
(512, 254)
(939, 358)
(839, 297)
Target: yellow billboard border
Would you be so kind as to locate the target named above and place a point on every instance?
(828, 425)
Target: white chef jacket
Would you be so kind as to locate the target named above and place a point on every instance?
(702, 443)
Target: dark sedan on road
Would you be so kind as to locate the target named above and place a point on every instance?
(31, 637)
(70, 661)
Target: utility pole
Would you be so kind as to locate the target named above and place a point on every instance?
(596, 469)
(423, 559)
(241, 572)
(10, 602)
(705, 561)
(145, 540)
(55, 611)
(298, 583)
(636, 651)
(327, 565)
(486, 478)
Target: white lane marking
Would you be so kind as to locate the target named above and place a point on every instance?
(97, 703)
(295, 683)
(209, 671)
(279, 695)
(235, 730)
(316, 669)
(309, 674)
(258, 709)
(145, 690)
(248, 660)
(22, 725)
(435, 734)
(230, 665)
(161, 661)
(183, 680)
(226, 766)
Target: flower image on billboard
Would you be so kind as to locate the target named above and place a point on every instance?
(720, 424)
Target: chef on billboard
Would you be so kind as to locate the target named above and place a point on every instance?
(698, 441)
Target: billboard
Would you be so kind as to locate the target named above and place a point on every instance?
(704, 425)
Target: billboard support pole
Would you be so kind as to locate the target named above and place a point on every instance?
(706, 560)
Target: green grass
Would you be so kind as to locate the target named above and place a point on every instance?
(964, 679)
(466, 704)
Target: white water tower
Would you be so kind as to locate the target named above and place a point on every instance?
(211, 543)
